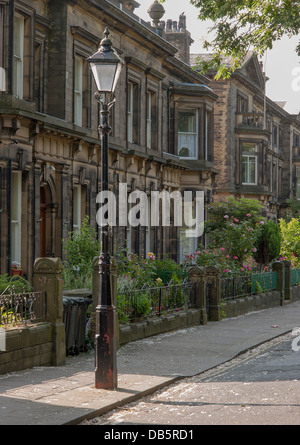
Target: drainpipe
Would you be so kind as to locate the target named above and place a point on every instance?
(9, 182)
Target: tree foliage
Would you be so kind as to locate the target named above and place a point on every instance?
(290, 240)
(268, 243)
(243, 25)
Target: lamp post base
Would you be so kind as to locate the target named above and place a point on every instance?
(105, 348)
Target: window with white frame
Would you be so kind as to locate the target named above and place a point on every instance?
(16, 213)
(207, 145)
(298, 184)
(132, 112)
(275, 135)
(249, 164)
(18, 57)
(148, 227)
(188, 133)
(76, 208)
(187, 245)
(78, 91)
(149, 119)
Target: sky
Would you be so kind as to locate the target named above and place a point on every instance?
(281, 64)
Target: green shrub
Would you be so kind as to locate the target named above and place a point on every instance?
(80, 249)
(122, 309)
(290, 240)
(142, 305)
(19, 284)
(268, 243)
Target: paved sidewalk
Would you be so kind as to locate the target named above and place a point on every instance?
(66, 395)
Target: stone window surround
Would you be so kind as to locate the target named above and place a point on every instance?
(82, 41)
(28, 51)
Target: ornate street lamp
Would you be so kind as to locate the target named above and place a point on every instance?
(106, 67)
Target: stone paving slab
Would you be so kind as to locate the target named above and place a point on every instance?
(66, 394)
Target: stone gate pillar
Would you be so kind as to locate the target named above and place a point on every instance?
(278, 267)
(196, 275)
(287, 280)
(212, 282)
(47, 277)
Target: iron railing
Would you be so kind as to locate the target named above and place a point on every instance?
(295, 277)
(236, 287)
(167, 275)
(138, 304)
(264, 282)
(246, 285)
(22, 308)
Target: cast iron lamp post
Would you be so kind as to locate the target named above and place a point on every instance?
(106, 67)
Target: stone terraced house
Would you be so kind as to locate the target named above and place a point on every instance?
(256, 142)
(162, 124)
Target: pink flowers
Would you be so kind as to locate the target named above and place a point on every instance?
(254, 250)
(236, 220)
(222, 248)
(248, 214)
(235, 258)
(261, 223)
(226, 270)
(226, 216)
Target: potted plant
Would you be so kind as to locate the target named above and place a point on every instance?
(16, 269)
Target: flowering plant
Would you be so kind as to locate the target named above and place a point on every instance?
(234, 227)
(16, 266)
(227, 264)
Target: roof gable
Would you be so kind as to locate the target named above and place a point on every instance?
(252, 70)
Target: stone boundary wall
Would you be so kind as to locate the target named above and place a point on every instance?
(44, 344)
(40, 344)
(159, 325)
(27, 347)
(241, 306)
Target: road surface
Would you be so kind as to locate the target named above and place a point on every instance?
(260, 387)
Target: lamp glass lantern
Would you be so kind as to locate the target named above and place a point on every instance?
(106, 66)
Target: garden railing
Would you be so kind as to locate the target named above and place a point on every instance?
(246, 285)
(295, 277)
(22, 308)
(137, 304)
